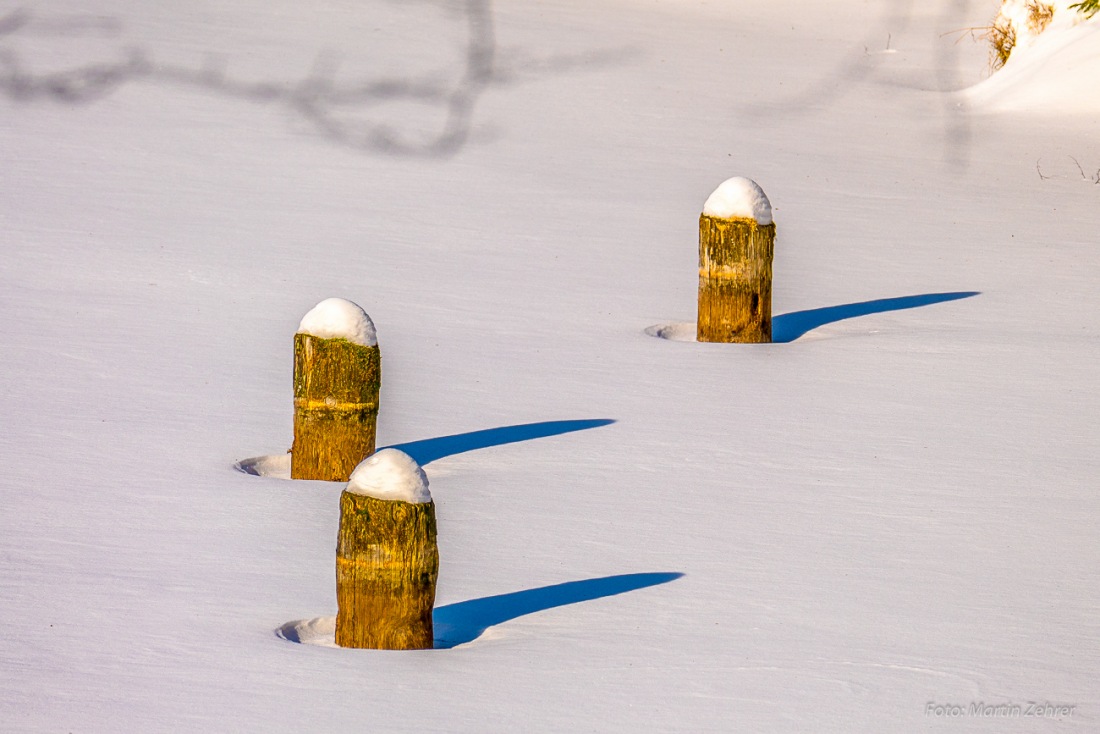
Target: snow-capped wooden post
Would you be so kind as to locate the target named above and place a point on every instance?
(387, 560)
(337, 375)
(736, 242)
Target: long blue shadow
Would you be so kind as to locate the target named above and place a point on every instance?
(790, 326)
(431, 449)
(465, 621)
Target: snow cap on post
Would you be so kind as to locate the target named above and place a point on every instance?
(339, 318)
(739, 198)
(390, 474)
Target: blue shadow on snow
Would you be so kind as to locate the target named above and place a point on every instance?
(789, 326)
(467, 620)
(431, 449)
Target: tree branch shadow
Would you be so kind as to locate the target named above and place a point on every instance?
(334, 109)
(861, 65)
(316, 98)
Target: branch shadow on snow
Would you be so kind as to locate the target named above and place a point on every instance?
(430, 449)
(790, 326)
(317, 98)
(457, 624)
(344, 109)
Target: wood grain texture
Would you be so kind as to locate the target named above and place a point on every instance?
(387, 563)
(735, 280)
(336, 386)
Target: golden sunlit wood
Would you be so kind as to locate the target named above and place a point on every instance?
(387, 563)
(336, 385)
(735, 280)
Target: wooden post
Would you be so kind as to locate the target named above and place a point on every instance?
(736, 244)
(387, 560)
(337, 376)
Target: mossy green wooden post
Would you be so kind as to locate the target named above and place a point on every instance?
(736, 245)
(387, 558)
(337, 378)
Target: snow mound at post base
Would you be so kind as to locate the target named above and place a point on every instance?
(273, 465)
(390, 474)
(320, 631)
(739, 198)
(1048, 73)
(677, 331)
(339, 318)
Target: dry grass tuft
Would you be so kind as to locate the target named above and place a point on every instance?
(1002, 37)
(1002, 34)
(1039, 16)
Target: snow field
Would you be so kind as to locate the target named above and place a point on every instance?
(889, 510)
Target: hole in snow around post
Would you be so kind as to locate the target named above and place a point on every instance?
(428, 450)
(483, 619)
(815, 322)
(321, 632)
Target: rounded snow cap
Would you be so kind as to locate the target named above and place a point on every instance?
(339, 318)
(390, 474)
(739, 198)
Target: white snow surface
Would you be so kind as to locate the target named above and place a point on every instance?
(739, 197)
(390, 474)
(1050, 73)
(895, 508)
(339, 318)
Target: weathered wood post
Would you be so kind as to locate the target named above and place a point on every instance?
(387, 560)
(736, 243)
(337, 375)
